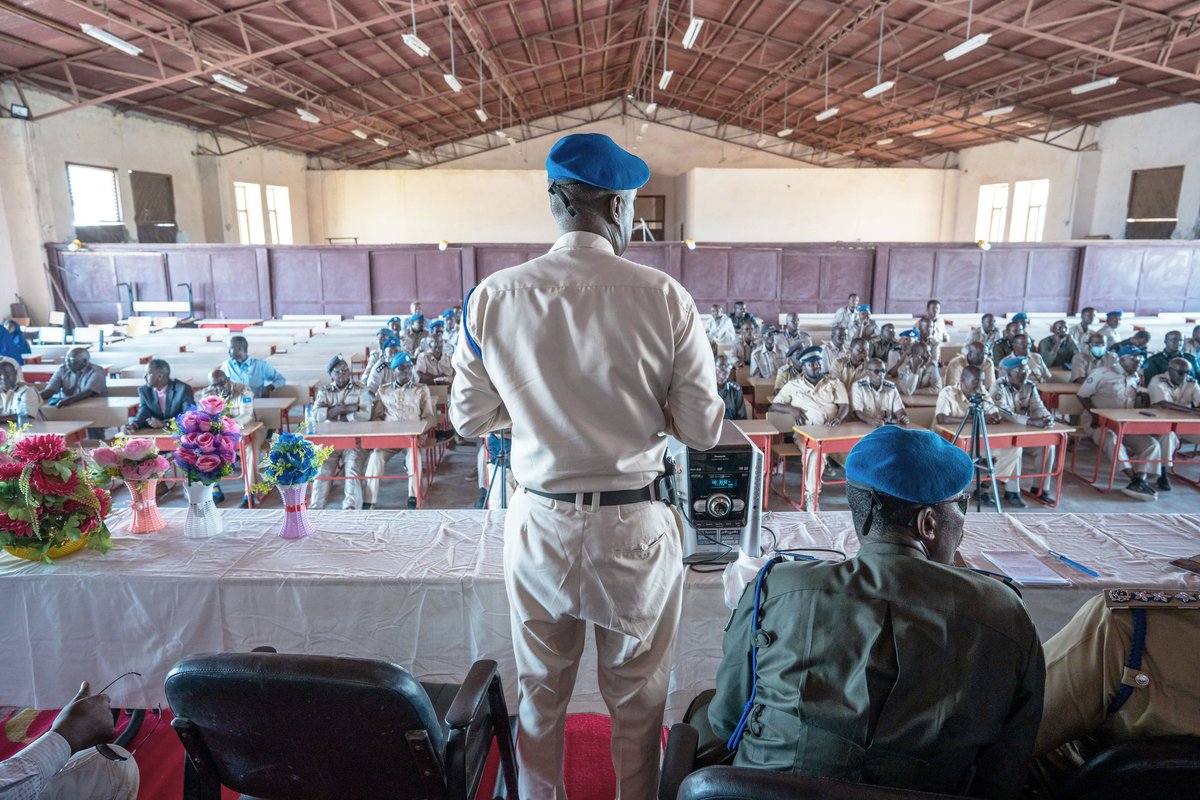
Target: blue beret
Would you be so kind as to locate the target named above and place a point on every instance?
(416, 317)
(394, 319)
(1115, 314)
(864, 307)
(1014, 361)
(401, 358)
(384, 332)
(449, 312)
(1019, 316)
(911, 333)
(914, 465)
(437, 323)
(1130, 350)
(392, 342)
(811, 354)
(597, 160)
(333, 362)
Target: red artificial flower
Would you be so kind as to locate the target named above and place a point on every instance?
(10, 472)
(89, 525)
(16, 527)
(45, 447)
(104, 499)
(48, 484)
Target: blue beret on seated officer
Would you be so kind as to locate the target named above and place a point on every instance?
(1012, 362)
(395, 319)
(911, 333)
(1020, 316)
(1114, 314)
(913, 465)
(1130, 350)
(864, 307)
(437, 323)
(400, 359)
(810, 354)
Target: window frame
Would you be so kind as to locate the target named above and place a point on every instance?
(116, 184)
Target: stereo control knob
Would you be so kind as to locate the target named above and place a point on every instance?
(719, 505)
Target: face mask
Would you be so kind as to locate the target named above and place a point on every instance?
(1097, 352)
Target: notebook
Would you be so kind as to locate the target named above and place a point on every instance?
(1025, 568)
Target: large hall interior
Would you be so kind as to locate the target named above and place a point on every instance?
(262, 270)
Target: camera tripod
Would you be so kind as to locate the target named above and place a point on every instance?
(499, 462)
(980, 451)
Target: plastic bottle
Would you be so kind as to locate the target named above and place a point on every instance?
(22, 412)
(310, 424)
(247, 405)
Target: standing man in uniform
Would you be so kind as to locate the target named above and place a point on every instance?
(1112, 321)
(621, 360)
(845, 316)
(1118, 387)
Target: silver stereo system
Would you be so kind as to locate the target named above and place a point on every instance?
(719, 494)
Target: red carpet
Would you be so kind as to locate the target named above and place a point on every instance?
(588, 764)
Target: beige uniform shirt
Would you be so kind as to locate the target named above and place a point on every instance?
(720, 330)
(844, 317)
(1185, 394)
(786, 374)
(1020, 400)
(10, 400)
(1083, 364)
(883, 403)
(789, 340)
(437, 367)
(329, 395)
(1079, 336)
(590, 359)
(831, 352)
(986, 338)
(846, 372)
(766, 363)
(1110, 335)
(819, 403)
(957, 364)
(1191, 346)
(1085, 667)
(926, 380)
(1111, 387)
(404, 403)
(953, 403)
(1038, 371)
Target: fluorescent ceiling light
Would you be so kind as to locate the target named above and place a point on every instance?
(974, 43)
(360, 134)
(1027, 124)
(112, 40)
(882, 142)
(651, 108)
(786, 132)
(230, 83)
(879, 89)
(379, 140)
(826, 114)
(307, 115)
(1102, 83)
(848, 153)
(416, 45)
(925, 132)
(483, 117)
(665, 79)
(997, 112)
(452, 81)
(689, 38)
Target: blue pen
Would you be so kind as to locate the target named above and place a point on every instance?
(1074, 564)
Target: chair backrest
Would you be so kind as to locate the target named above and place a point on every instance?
(740, 783)
(1165, 766)
(307, 727)
(56, 319)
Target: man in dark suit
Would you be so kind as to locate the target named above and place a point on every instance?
(161, 399)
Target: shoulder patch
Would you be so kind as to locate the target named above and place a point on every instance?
(1150, 598)
(863, 383)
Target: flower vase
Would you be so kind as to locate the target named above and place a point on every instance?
(143, 508)
(296, 524)
(203, 517)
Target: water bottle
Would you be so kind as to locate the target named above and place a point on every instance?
(247, 405)
(22, 412)
(310, 424)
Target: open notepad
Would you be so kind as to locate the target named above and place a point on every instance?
(1025, 568)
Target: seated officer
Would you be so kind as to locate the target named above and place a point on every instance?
(1172, 349)
(918, 372)
(728, 390)
(973, 355)
(893, 667)
(813, 399)
(403, 400)
(1058, 348)
(1096, 355)
(1018, 395)
(954, 403)
(1176, 390)
(851, 367)
(767, 358)
(1140, 339)
(343, 399)
(1119, 387)
(1102, 687)
(875, 401)
(792, 369)
(883, 347)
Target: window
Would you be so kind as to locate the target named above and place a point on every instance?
(94, 196)
(993, 208)
(649, 218)
(1029, 210)
(247, 199)
(153, 207)
(279, 214)
(1153, 203)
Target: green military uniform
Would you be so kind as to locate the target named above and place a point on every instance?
(1055, 352)
(886, 669)
(1086, 668)
(1157, 364)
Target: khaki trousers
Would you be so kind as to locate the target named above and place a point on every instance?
(352, 489)
(619, 568)
(1143, 448)
(376, 466)
(1169, 443)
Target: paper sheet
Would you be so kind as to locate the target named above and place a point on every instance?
(1025, 568)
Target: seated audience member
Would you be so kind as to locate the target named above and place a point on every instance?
(744, 345)
(1057, 349)
(231, 392)
(851, 367)
(13, 343)
(1192, 345)
(1172, 349)
(77, 379)
(1017, 395)
(1002, 349)
(836, 347)
(791, 335)
(925, 334)
(1038, 371)
(397, 325)
(1094, 356)
(1175, 390)
(954, 403)
(414, 333)
(767, 358)
(864, 327)
(63, 763)
(1105, 684)
(1139, 339)
(973, 355)
(383, 374)
(1118, 387)
(433, 365)
(813, 399)
(918, 373)
(261, 378)
(403, 400)
(343, 399)
(451, 323)
(16, 396)
(845, 316)
(741, 316)
(902, 353)
(382, 335)
(1112, 322)
(987, 334)
(415, 307)
(937, 325)
(876, 401)
(161, 398)
(792, 369)
(1081, 332)
(728, 390)
(887, 343)
(1022, 320)
(893, 667)
(719, 327)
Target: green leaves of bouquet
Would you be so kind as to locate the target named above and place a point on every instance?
(292, 461)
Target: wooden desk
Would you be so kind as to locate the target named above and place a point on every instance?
(231, 324)
(100, 412)
(761, 432)
(247, 452)
(128, 387)
(764, 390)
(823, 440)
(72, 431)
(1011, 434)
(378, 435)
(274, 412)
(919, 400)
(1134, 421)
(1053, 392)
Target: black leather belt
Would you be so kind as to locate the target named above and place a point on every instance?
(619, 498)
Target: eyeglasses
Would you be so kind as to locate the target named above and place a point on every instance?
(105, 750)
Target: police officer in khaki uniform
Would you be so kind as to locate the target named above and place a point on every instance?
(404, 400)
(987, 334)
(851, 367)
(1112, 322)
(590, 359)
(973, 355)
(836, 347)
(813, 399)
(1036, 366)
(1081, 332)
(1175, 390)
(1102, 688)
(1095, 355)
(876, 401)
(1118, 387)
(1018, 395)
(343, 399)
(767, 359)
(918, 373)
(792, 369)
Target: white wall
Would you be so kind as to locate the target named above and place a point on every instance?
(22, 259)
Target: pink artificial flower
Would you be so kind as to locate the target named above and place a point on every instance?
(226, 445)
(209, 463)
(230, 425)
(130, 472)
(106, 457)
(196, 422)
(137, 449)
(186, 456)
(147, 469)
(205, 441)
(3, 436)
(212, 405)
(161, 465)
(188, 441)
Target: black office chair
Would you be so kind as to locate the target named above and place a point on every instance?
(304, 727)
(1165, 766)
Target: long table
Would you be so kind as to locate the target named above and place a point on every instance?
(425, 589)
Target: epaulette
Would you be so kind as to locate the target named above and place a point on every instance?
(1150, 598)
(863, 382)
(888, 384)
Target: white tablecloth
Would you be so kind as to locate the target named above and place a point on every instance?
(425, 589)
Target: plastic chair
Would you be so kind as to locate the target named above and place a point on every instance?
(307, 727)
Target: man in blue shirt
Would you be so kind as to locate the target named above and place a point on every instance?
(261, 377)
